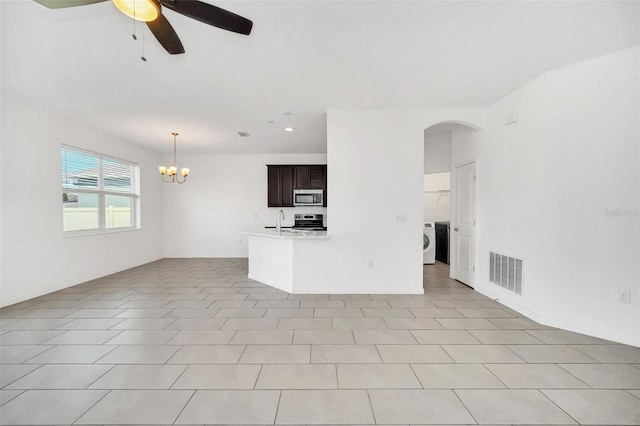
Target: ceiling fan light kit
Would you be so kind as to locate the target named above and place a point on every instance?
(140, 10)
(150, 11)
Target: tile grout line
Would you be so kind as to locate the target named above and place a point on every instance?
(585, 354)
(528, 332)
(186, 367)
(629, 392)
(185, 406)
(373, 413)
(101, 376)
(93, 405)
(275, 416)
(255, 382)
(464, 405)
(494, 374)
(554, 403)
(516, 354)
(577, 378)
(416, 375)
(380, 355)
(20, 392)
(24, 375)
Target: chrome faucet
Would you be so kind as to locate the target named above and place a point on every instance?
(281, 217)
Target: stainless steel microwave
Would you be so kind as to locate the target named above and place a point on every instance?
(307, 197)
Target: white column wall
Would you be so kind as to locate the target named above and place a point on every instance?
(376, 186)
(36, 256)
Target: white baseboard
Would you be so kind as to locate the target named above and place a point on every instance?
(269, 283)
(564, 325)
(53, 289)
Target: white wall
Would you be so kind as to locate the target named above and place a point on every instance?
(437, 152)
(437, 162)
(224, 195)
(545, 185)
(436, 199)
(1, 150)
(36, 257)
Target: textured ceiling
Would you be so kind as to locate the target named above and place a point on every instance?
(302, 58)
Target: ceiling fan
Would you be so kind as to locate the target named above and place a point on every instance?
(150, 11)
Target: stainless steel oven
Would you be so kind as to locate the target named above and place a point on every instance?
(307, 197)
(309, 222)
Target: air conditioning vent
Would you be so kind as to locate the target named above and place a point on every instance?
(506, 272)
(244, 134)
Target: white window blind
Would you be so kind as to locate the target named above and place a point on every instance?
(99, 193)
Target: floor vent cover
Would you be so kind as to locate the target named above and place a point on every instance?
(506, 272)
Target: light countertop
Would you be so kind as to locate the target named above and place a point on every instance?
(289, 234)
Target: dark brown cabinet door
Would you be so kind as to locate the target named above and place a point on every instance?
(279, 186)
(309, 177)
(302, 177)
(286, 176)
(273, 187)
(324, 186)
(316, 177)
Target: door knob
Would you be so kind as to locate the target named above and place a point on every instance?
(455, 229)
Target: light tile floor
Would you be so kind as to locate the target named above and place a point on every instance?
(194, 341)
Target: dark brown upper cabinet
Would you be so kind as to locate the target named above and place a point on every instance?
(309, 177)
(280, 186)
(317, 177)
(283, 179)
(301, 178)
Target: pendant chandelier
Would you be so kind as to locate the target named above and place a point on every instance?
(172, 171)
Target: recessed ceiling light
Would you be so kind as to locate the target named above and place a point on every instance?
(289, 129)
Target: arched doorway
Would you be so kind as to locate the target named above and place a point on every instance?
(449, 205)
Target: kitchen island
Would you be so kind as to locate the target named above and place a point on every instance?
(286, 258)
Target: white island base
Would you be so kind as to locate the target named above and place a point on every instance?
(285, 259)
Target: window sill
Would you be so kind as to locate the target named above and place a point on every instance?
(88, 232)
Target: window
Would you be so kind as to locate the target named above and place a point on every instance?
(99, 193)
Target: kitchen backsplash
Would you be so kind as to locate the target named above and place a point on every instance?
(272, 214)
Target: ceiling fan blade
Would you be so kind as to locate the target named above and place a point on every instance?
(59, 4)
(166, 35)
(211, 15)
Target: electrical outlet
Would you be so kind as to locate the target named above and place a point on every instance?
(370, 264)
(624, 296)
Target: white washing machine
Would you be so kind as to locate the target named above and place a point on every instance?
(429, 243)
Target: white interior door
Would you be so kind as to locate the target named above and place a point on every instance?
(464, 231)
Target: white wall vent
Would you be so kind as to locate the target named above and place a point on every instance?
(506, 272)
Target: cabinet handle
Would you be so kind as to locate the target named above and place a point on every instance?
(455, 229)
